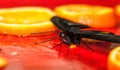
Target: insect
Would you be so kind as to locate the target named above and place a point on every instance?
(72, 33)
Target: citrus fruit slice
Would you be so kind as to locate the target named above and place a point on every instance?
(117, 11)
(3, 62)
(25, 20)
(114, 59)
(94, 16)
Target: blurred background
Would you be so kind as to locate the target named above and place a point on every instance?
(53, 3)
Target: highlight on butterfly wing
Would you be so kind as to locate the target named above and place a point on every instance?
(64, 24)
(59, 23)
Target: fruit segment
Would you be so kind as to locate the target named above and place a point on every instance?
(94, 16)
(114, 59)
(3, 63)
(25, 20)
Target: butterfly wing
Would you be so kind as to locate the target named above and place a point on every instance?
(64, 24)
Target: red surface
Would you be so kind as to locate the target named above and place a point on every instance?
(28, 53)
(53, 3)
(32, 56)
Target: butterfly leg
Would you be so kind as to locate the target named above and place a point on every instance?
(87, 45)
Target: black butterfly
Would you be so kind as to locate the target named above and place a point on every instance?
(72, 33)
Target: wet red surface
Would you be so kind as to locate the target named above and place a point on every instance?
(35, 53)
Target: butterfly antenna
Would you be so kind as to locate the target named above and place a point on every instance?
(87, 45)
(43, 32)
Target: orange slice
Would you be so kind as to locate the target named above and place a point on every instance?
(94, 16)
(3, 62)
(114, 59)
(25, 20)
(117, 11)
